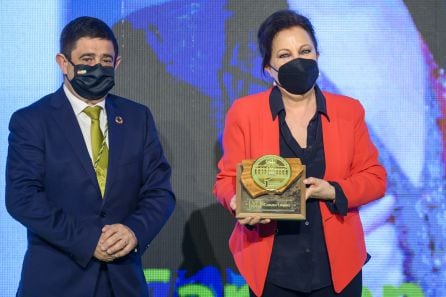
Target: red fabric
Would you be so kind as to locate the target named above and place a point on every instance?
(351, 160)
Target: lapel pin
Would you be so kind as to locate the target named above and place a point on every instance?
(119, 120)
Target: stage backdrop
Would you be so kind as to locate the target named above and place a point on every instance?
(189, 60)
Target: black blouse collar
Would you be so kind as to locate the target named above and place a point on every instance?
(276, 102)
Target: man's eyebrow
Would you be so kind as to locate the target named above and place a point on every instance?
(87, 55)
(108, 56)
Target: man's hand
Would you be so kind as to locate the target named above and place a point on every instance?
(101, 255)
(116, 241)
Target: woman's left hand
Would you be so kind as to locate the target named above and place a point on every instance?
(319, 189)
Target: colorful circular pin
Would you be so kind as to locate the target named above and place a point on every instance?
(119, 120)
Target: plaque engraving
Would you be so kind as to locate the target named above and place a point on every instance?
(271, 187)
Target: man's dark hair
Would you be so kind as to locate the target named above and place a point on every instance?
(85, 27)
(278, 21)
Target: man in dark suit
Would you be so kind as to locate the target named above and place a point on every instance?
(86, 175)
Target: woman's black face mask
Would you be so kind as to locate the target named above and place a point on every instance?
(298, 76)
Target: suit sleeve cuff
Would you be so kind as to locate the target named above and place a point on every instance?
(146, 227)
(83, 252)
(340, 204)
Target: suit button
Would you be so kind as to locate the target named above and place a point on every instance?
(102, 214)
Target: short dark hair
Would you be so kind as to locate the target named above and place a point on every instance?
(278, 21)
(85, 27)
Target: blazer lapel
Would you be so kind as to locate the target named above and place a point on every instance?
(116, 124)
(66, 119)
(332, 149)
(330, 134)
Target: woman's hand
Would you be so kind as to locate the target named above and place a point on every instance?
(319, 189)
(251, 221)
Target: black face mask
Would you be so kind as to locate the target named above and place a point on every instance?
(298, 76)
(92, 82)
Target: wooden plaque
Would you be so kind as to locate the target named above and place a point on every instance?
(286, 201)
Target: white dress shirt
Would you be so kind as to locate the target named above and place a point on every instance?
(84, 120)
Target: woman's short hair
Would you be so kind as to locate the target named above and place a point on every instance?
(278, 21)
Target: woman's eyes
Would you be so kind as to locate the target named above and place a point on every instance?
(302, 52)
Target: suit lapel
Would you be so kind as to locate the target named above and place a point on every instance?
(63, 114)
(116, 124)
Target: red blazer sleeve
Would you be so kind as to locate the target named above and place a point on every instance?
(365, 180)
(233, 153)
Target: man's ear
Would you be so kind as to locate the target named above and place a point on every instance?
(63, 63)
(117, 62)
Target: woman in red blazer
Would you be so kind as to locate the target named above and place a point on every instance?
(324, 254)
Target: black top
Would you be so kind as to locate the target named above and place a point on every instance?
(299, 259)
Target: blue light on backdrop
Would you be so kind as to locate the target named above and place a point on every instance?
(29, 31)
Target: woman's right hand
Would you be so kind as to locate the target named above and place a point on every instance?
(251, 221)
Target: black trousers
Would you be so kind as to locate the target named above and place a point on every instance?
(353, 289)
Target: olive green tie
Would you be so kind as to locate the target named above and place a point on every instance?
(98, 146)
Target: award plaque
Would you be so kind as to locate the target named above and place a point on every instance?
(271, 187)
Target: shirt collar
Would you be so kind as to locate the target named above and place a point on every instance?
(77, 104)
(276, 102)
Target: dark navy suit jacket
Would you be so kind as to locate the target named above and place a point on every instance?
(51, 188)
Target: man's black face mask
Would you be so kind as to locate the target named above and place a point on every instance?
(92, 82)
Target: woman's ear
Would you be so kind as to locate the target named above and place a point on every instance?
(268, 70)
